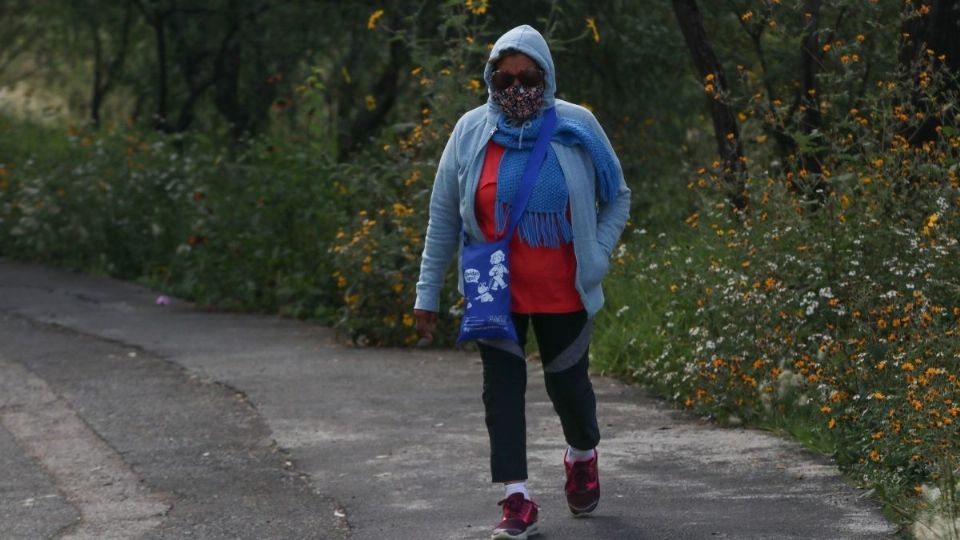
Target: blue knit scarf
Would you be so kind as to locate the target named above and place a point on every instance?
(544, 222)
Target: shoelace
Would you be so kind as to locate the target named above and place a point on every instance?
(582, 476)
(513, 506)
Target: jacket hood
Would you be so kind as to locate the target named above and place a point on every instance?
(524, 39)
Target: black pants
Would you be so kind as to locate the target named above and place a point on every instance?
(564, 341)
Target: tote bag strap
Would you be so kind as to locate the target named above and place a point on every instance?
(532, 170)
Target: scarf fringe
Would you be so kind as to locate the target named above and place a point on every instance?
(609, 182)
(544, 222)
(538, 229)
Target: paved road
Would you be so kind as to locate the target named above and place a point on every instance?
(123, 419)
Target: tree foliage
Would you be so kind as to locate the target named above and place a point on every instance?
(279, 155)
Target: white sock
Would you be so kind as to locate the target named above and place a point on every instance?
(517, 487)
(574, 455)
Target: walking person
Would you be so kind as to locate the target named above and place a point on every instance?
(560, 253)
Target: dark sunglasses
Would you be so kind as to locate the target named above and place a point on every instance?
(530, 78)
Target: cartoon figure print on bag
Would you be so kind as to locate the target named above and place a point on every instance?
(484, 288)
(498, 269)
(484, 291)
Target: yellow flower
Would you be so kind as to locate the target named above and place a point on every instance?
(931, 223)
(400, 210)
(412, 179)
(397, 288)
(371, 102)
(592, 25)
(832, 423)
(408, 319)
(374, 17)
(746, 16)
(474, 85)
(477, 7)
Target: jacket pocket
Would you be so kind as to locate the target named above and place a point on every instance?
(595, 268)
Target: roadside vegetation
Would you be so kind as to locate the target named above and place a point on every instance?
(790, 262)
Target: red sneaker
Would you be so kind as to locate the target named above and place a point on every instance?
(519, 518)
(583, 485)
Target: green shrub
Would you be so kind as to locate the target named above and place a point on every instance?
(834, 314)
(246, 231)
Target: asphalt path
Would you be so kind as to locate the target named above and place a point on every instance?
(121, 418)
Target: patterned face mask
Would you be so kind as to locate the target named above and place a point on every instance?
(519, 102)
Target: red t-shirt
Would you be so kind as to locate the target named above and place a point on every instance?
(541, 278)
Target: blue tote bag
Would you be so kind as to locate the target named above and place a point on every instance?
(485, 266)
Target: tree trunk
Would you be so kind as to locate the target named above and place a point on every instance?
(104, 73)
(809, 153)
(725, 127)
(161, 120)
(810, 117)
(96, 97)
(385, 95)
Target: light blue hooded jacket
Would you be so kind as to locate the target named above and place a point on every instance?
(596, 228)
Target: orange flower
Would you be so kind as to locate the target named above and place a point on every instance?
(374, 17)
(592, 25)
